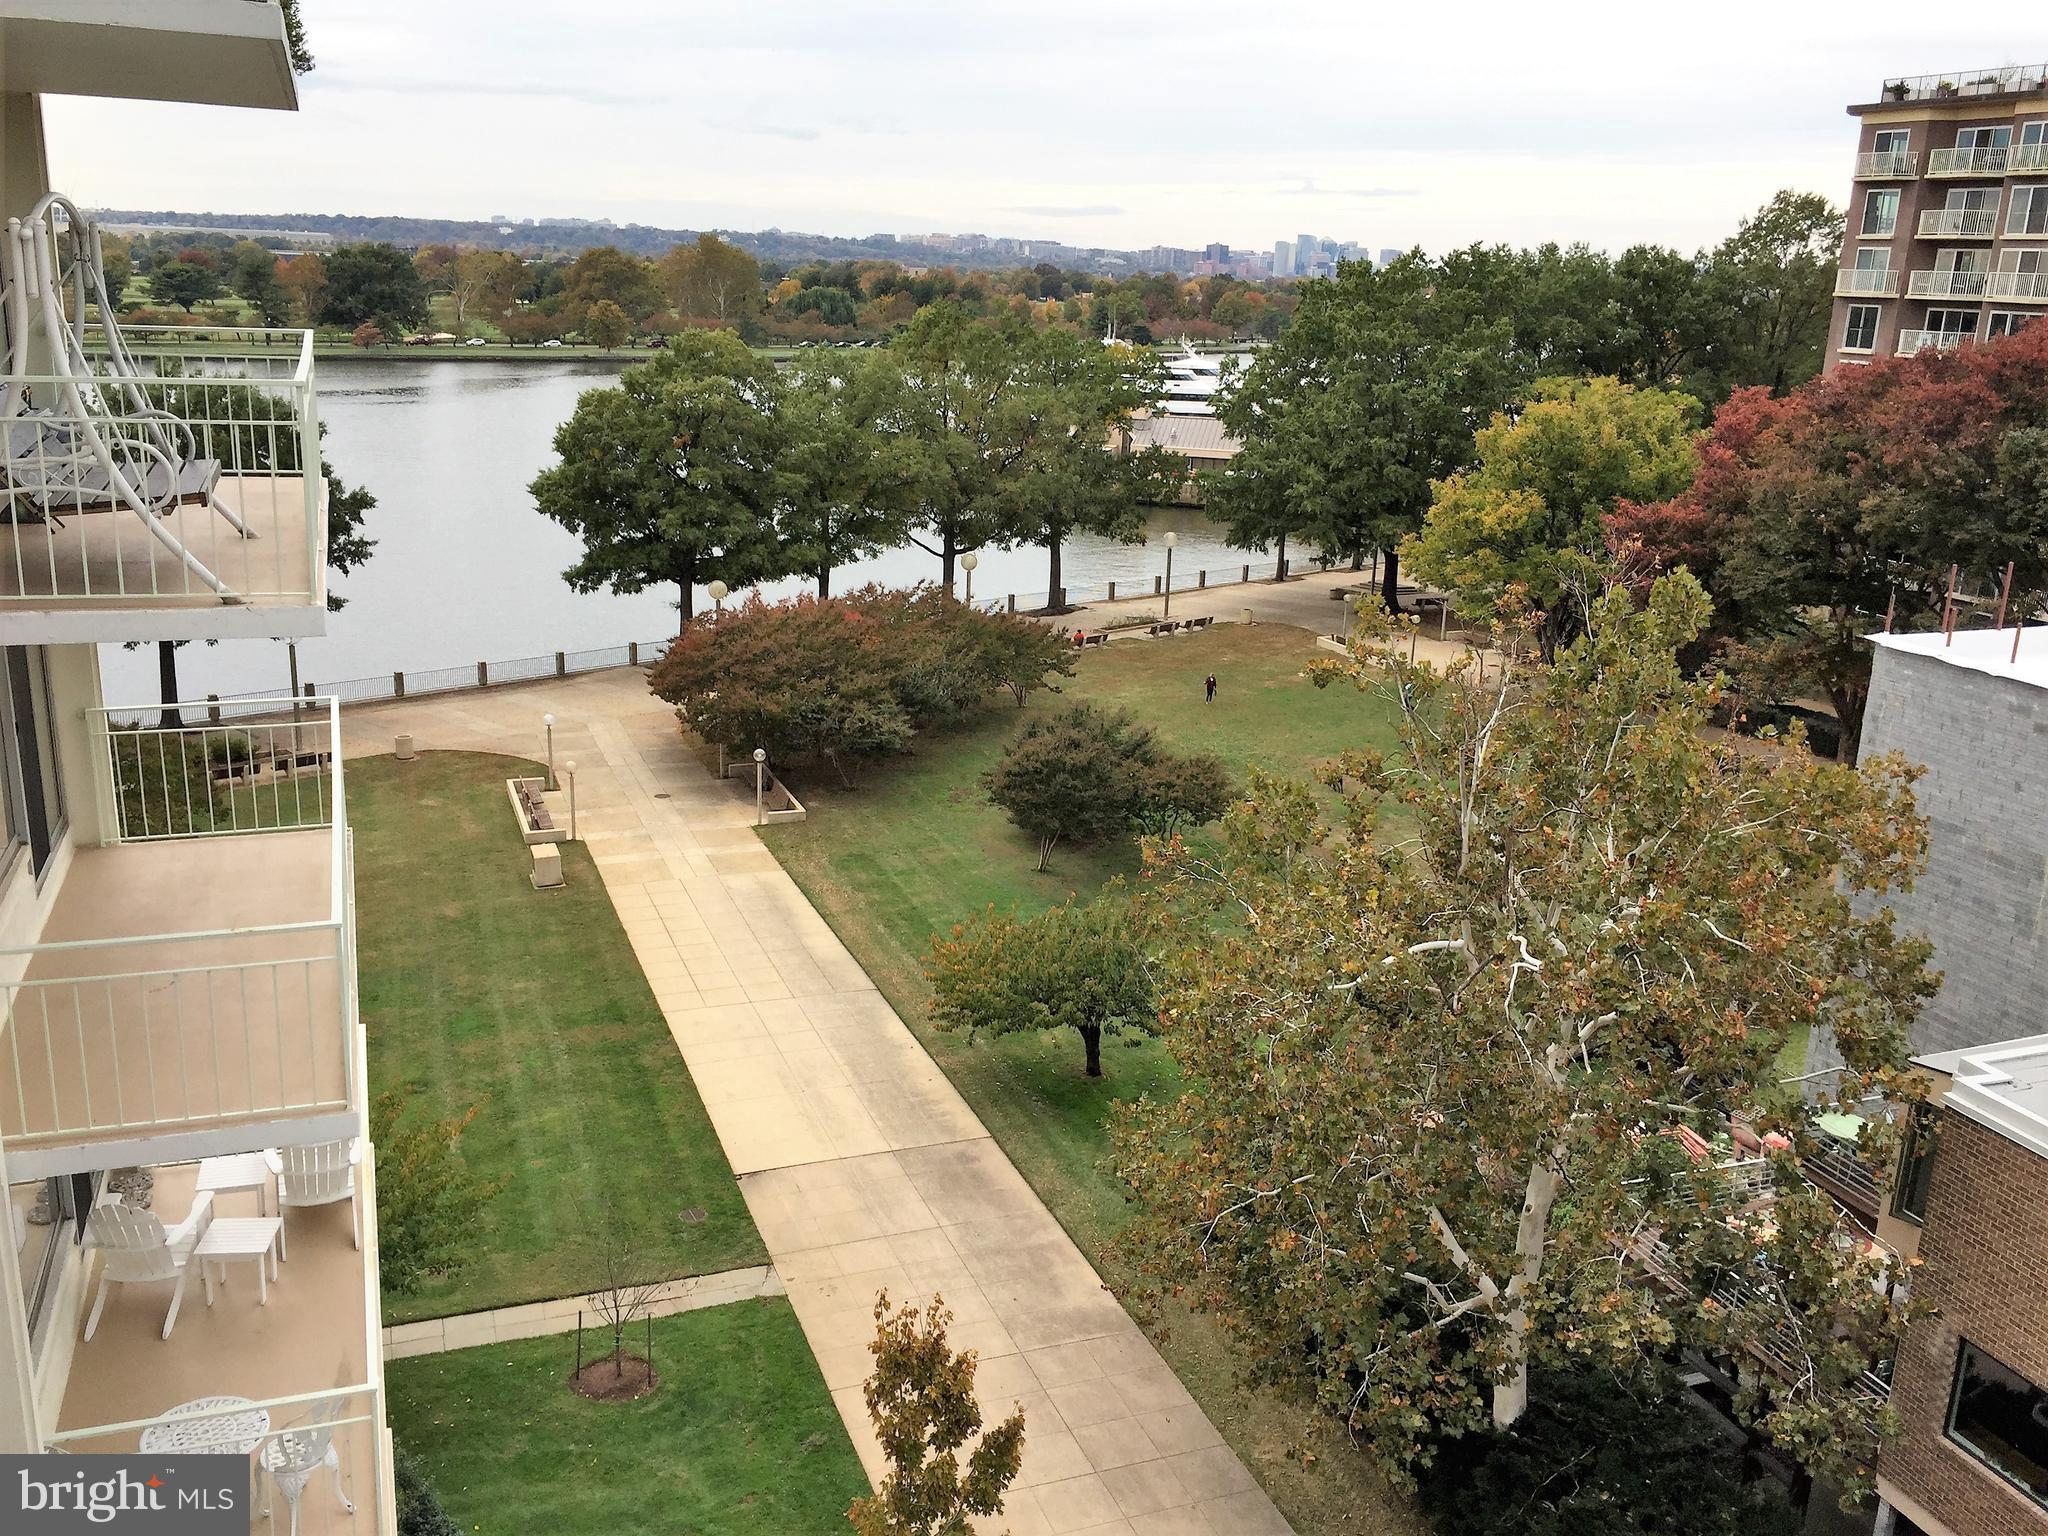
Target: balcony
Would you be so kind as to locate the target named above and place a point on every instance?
(312, 1352)
(1947, 283)
(1866, 282)
(2020, 287)
(1911, 342)
(1978, 160)
(1887, 165)
(192, 990)
(228, 53)
(2004, 80)
(161, 491)
(1959, 224)
(2030, 157)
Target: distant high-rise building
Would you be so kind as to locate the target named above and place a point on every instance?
(1947, 216)
(1283, 258)
(1388, 255)
(1216, 251)
(1351, 250)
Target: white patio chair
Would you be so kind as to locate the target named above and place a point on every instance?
(293, 1457)
(321, 1174)
(135, 1247)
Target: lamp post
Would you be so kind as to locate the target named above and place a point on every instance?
(1171, 540)
(968, 562)
(570, 769)
(760, 772)
(718, 591)
(549, 722)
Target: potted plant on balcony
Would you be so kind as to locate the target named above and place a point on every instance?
(1945, 88)
(1897, 90)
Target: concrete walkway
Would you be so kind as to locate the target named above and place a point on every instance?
(468, 1329)
(863, 1168)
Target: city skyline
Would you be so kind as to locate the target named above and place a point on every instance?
(831, 122)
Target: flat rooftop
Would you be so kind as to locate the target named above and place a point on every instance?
(1989, 651)
(2003, 1087)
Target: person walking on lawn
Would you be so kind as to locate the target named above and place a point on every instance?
(1209, 689)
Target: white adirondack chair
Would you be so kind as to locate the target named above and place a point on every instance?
(293, 1457)
(135, 1246)
(321, 1174)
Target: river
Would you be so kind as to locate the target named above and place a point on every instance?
(466, 570)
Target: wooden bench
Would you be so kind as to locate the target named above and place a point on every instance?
(537, 816)
(1202, 623)
(1097, 638)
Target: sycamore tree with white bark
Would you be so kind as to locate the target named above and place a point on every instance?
(1437, 1062)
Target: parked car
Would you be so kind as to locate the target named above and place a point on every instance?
(476, 341)
(552, 341)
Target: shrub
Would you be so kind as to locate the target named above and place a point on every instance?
(428, 1202)
(419, 1508)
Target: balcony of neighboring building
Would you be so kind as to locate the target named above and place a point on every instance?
(1887, 165)
(1866, 283)
(164, 484)
(2018, 287)
(264, 1373)
(1971, 86)
(1977, 160)
(191, 991)
(1959, 224)
(229, 53)
(1912, 342)
(1948, 283)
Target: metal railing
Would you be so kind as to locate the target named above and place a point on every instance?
(176, 472)
(1947, 283)
(2030, 157)
(1959, 223)
(2000, 80)
(1911, 342)
(351, 1421)
(2027, 287)
(191, 1026)
(1874, 282)
(1887, 164)
(1970, 160)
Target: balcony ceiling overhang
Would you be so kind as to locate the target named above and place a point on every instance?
(228, 53)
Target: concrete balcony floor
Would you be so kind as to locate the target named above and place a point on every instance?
(313, 1336)
(106, 562)
(126, 1039)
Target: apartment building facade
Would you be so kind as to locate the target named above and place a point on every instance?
(188, 1260)
(1947, 238)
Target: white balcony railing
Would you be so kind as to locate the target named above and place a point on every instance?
(1911, 342)
(1867, 282)
(1886, 164)
(2030, 157)
(1970, 160)
(1947, 283)
(2005, 79)
(1959, 223)
(2024, 287)
(197, 971)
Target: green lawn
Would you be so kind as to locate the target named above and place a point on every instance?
(917, 845)
(740, 1438)
(478, 989)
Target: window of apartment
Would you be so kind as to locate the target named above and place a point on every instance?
(35, 808)
(1860, 333)
(1891, 141)
(2000, 1418)
(1873, 258)
(1958, 322)
(1972, 200)
(2003, 322)
(1984, 138)
(43, 1217)
(1880, 210)
(2028, 214)
(1916, 1167)
(2033, 135)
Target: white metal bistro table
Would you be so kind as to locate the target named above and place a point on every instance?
(221, 1432)
(235, 1174)
(240, 1237)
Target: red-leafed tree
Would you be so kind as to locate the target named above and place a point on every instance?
(1814, 514)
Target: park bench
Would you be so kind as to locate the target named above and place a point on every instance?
(536, 813)
(1202, 623)
(1097, 638)
(1162, 629)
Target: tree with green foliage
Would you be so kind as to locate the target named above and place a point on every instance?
(606, 326)
(921, 1401)
(670, 475)
(1074, 967)
(846, 497)
(1532, 515)
(372, 283)
(253, 277)
(1770, 287)
(419, 1507)
(607, 275)
(1371, 394)
(1427, 1138)
(428, 1200)
(184, 283)
(1180, 790)
(711, 279)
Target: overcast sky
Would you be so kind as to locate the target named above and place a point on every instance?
(1179, 123)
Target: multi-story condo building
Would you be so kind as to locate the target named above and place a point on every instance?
(188, 1260)
(1947, 235)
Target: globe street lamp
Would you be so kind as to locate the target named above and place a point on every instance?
(549, 722)
(968, 562)
(760, 771)
(718, 591)
(1171, 540)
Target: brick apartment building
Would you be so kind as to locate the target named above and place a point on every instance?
(1947, 235)
(1971, 1383)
